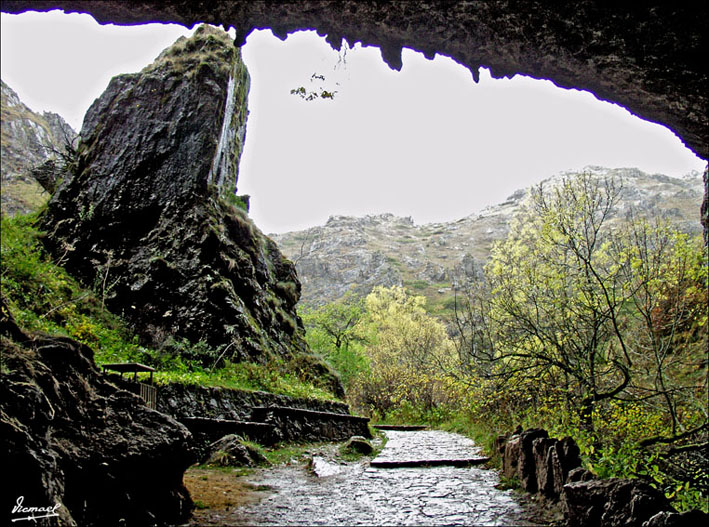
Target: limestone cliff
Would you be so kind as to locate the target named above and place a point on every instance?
(28, 140)
(148, 215)
(358, 253)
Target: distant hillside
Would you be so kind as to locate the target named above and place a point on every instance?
(28, 140)
(360, 253)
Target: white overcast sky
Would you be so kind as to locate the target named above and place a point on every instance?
(426, 142)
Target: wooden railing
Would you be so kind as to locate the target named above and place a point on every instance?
(149, 394)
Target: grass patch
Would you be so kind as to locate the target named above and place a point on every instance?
(25, 194)
(290, 453)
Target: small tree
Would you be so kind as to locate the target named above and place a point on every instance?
(337, 332)
(557, 296)
(408, 355)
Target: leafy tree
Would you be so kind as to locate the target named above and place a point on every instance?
(408, 356)
(557, 295)
(337, 332)
(596, 326)
(668, 276)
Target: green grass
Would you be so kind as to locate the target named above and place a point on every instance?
(27, 195)
(43, 297)
(291, 452)
(272, 377)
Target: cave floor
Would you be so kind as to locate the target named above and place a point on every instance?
(322, 490)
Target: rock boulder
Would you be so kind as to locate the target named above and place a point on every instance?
(611, 503)
(73, 439)
(231, 451)
(149, 217)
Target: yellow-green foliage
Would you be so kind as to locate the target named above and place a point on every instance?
(585, 326)
(392, 356)
(42, 296)
(595, 332)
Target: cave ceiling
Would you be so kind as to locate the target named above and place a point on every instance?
(650, 58)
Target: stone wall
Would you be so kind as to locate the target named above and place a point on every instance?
(552, 468)
(211, 413)
(185, 400)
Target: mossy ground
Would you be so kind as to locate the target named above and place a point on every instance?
(216, 489)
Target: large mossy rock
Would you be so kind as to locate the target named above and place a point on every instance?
(149, 215)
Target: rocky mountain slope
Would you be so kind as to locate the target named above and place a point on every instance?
(28, 140)
(349, 253)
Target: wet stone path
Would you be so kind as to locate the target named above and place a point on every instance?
(427, 447)
(357, 494)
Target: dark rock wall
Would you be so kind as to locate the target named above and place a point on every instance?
(612, 503)
(69, 437)
(148, 216)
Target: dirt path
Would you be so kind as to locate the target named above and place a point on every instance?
(357, 494)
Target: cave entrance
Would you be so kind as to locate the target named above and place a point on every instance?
(399, 142)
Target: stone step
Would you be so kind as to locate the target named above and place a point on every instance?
(455, 462)
(427, 448)
(404, 428)
(264, 433)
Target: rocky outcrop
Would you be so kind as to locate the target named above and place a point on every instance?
(148, 216)
(675, 519)
(232, 451)
(356, 254)
(552, 467)
(29, 139)
(611, 503)
(73, 441)
(340, 257)
(519, 457)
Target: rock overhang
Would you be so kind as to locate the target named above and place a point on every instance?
(649, 59)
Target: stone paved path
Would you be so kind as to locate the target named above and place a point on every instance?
(357, 494)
